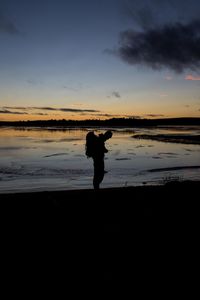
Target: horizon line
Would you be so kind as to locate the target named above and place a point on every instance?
(100, 120)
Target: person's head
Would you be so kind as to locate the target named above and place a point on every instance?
(108, 134)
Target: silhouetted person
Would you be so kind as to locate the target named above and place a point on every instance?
(95, 148)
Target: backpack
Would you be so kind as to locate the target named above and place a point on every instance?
(91, 144)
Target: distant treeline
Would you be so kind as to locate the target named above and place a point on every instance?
(114, 122)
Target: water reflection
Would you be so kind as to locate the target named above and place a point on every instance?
(54, 158)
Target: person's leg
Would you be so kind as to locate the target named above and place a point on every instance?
(98, 173)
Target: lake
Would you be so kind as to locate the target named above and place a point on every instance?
(44, 159)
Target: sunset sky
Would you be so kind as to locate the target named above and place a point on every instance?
(79, 59)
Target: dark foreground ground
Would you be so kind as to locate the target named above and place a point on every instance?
(147, 237)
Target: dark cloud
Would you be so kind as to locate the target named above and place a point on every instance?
(5, 111)
(105, 115)
(15, 107)
(40, 114)
(132, 116)
(175, 46)
(76, 110)
(116, 94)
(7, 26)
(154, 115)
(95, 113)
(43, 108)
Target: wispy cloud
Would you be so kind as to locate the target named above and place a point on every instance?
(141, 15)
(5, 111)
(105, 115)
(116, 94)
(41, 108)
(77, 110)
(16, 107)
(41, 114)
(191, 77)
(75, 87)
(154, 115)
(48, 108)
(34, 82)
(70, 88)
(7, 26)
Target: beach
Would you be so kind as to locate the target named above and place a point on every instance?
(112, 235)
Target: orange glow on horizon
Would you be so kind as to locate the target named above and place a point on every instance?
(148, 115)
(13, 117)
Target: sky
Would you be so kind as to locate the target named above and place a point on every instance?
(62, 59)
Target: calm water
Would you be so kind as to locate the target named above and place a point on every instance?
(53, 159)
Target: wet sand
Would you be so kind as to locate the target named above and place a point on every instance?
(147, 235)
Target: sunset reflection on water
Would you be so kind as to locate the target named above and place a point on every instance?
(54, 158)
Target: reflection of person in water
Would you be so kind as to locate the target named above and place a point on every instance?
(95, 148)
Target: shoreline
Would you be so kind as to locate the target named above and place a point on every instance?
(73, 193)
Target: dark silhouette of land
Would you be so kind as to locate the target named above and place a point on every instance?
(146, 236)
(114, 122)
(171, 138)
